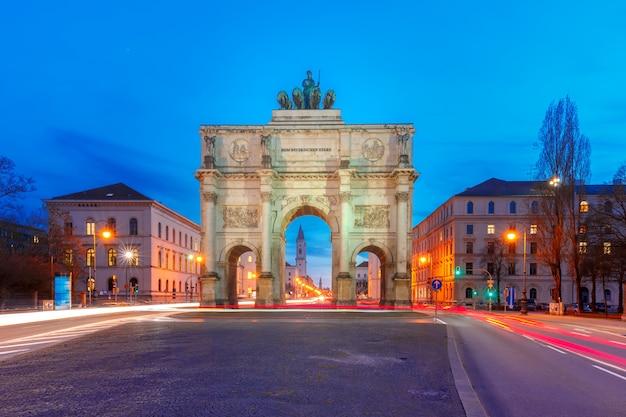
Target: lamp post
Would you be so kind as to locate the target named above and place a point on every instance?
(524, 300)
(92, 280)
(423, 260)
(130, 258)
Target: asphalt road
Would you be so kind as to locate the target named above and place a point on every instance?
(542, 366)
(241, 363)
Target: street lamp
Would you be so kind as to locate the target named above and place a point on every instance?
(524, 302)
(92, 280)
(129, 254)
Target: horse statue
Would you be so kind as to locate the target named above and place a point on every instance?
(283, 100)
(316, 96)
(329, 99)
(298, 98)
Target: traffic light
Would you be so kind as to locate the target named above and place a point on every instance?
(457, 271)
(136, 291)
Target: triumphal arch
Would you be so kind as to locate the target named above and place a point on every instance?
(256, 179)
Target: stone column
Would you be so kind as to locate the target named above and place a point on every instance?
(265, 281)
(209, 272)
(345, 288)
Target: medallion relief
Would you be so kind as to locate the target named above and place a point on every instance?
(373, 149)
(239, 150)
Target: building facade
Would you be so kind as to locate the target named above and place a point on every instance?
(149, 252)
(466, 243)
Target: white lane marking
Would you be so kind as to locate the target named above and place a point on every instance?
(581, 334)
(556, 350)
(581, 330)
(8, 352)
(609, 372)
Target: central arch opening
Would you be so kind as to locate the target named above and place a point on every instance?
(308, 260)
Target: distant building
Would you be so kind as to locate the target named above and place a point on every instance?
(361, 279)
(454, 244)
(152, 253)
(16, 237)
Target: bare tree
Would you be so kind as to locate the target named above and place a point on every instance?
(562, 169)
(12, 186)
(494, 259)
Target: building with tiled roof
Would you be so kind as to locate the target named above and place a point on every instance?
(455, 244)
(152, 253)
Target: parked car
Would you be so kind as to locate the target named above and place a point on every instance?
(602, 308)
(586, 308)
(543, 306)
(530, 305)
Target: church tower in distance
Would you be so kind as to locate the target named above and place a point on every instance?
(301, 253)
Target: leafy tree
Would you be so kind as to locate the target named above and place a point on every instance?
(562, 170)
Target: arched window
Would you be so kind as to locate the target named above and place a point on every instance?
(584, 207)
(174, 236)
(90, 257)
(607, 295)
(470, 207)
(132, 227)
(512, 207)
(159, 284)
(159, 230)
(112, 256)
(533, 293)
(534, 207)
(167, 233)
(160, 260)
(491, 208)
(469, 293)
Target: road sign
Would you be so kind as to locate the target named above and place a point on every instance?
(436, 284)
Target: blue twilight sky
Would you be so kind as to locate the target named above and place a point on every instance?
(95, 93)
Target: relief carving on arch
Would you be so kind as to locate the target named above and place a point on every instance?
(240, 217)
(371, 216)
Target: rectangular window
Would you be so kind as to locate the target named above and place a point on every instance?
(582, 229)
(469, 268)
(469, 247)
(533, 269)
(491, 268)
(491, 248)
(512, 246)
(582, 247)
(90, 228)
(607, 248)
(511, 268)
(69, 228)
(491, 229)
(470, 229)
(533, 248)
(533, 229)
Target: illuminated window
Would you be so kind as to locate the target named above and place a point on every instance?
(607, 248)
(249, 258)
(584, 207)
(112, 257)
(533, 229)
(582, 247)
(90, 227)
(491, 229)
(90, 257)
(68, 257)
(582, 229)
